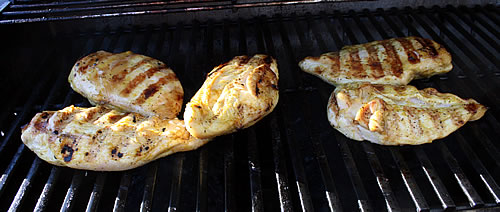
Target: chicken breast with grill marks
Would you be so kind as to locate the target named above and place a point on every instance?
(398, 115)
(395, 61)
(234, 96)
(102, 139)
(128, 82)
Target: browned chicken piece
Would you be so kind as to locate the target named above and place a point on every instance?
(128, 82)
(234, 96)
(395, 61)
(398, 115)
(102, 139)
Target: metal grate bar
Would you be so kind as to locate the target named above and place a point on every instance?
(463, 181)
(54, 172)
(437, 184)
(14, 162)
(121, 197)
(492, 29)
(406, 175)
(465, 185)
(428, 169)
(149, 187)
(24, 188)
(487, 12)
(383, 182)
(48, 189)
(59, 3)
(364, 203)
(488, 180)
(95, 196)
(319, 152)
(474, 58)
(295, 155)
(254, 170)
(280, 169)
(410, 182)
(477, 45)
(473, 26)
(476, 163)
(72, 192)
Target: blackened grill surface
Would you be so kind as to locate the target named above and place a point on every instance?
(292, 159)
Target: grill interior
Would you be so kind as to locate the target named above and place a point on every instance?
(292, 159)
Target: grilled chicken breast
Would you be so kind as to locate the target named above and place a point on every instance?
(234, 96)
(102, 139)
(397, 115)
(395, 61)
(128, 82)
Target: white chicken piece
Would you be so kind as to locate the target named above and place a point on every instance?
(395, 61)
(234, 96)
(128, 82)
(398, 115)
(102, 139)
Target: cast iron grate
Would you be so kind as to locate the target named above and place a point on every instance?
(291, 160)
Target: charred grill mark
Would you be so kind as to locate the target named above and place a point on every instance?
(138, 79)
(268, 60)
(67, 153)
(393, 58)
(356, 67)
(428, 46)
(120, 76)
(472, 107)
(374, 62)
(335, 59)
(413, 58)
(154, 88)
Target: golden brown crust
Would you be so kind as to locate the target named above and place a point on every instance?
(395, 61)
(397, 115)
(104, 140)
(128, 82)
(234, 96)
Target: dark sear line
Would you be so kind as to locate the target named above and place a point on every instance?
(123, 73)
(409, 50)
(392, 58)
(428, 46)
(374, 62)
(336, 62)
(155, 87)
(138, 79)
(356, 66)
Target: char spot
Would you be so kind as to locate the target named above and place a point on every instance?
(45, 115)
(274, 86)
(163, 130)
(472, 108)
(268, 60)
(197, 106)
(56, 132)
(113, 151)
(67, 153)
(120, 154)
(146, 148)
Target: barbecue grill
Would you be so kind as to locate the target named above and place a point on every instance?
(293, 159)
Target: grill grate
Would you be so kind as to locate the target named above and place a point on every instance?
(292, 159)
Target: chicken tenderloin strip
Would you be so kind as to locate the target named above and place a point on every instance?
(102, 139)
(395, 61)
(398, 115)
(234, 96)
(128, 82)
